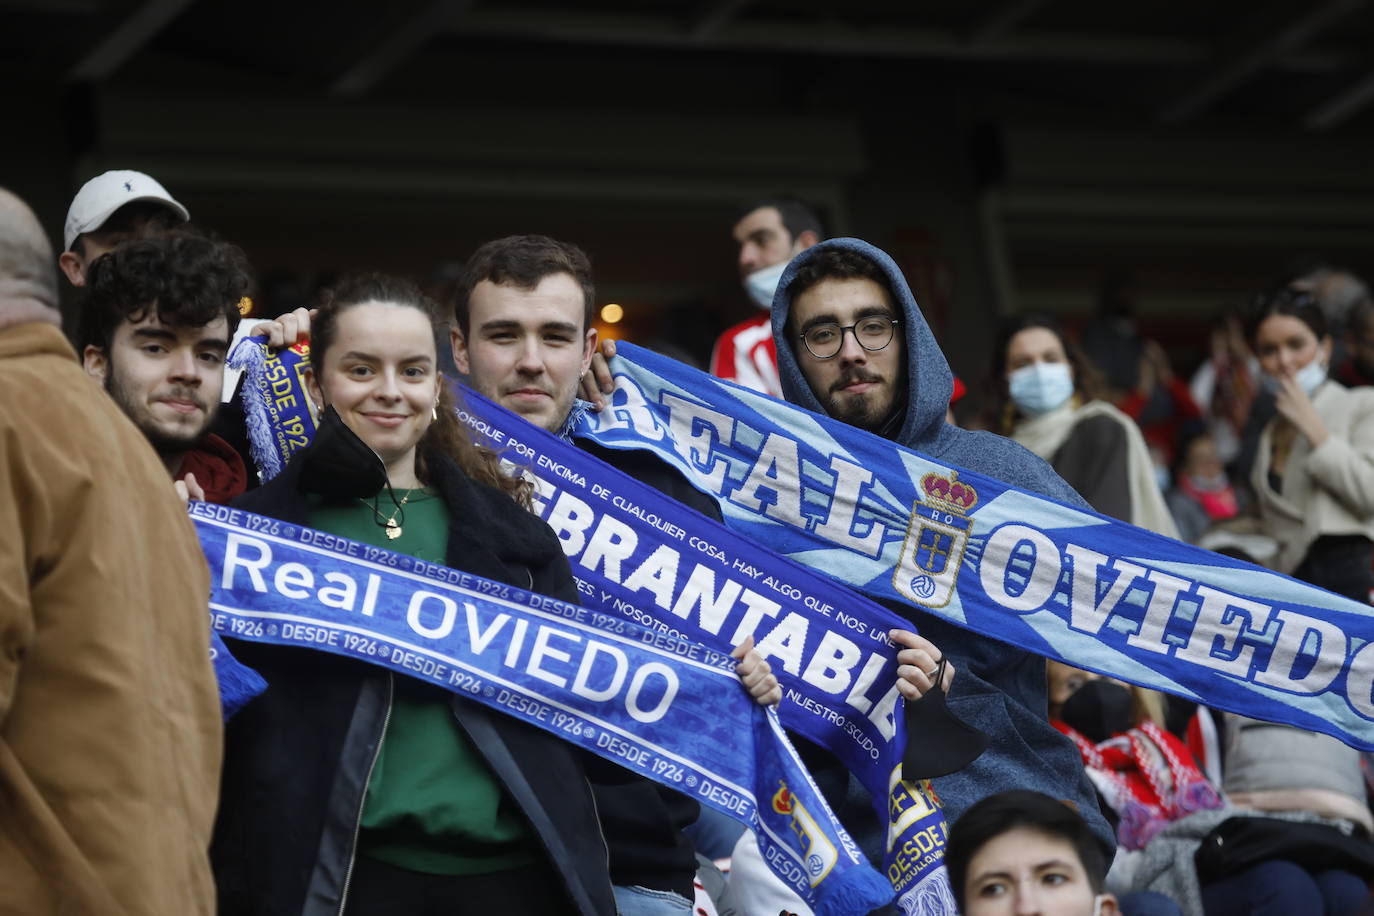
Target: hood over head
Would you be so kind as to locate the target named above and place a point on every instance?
(929, 381)
(929, 386)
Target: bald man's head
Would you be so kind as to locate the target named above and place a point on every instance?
(28, 282)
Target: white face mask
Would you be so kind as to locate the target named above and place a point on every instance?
(1308, 378)
(763, 283)
(1040, 387)
(1209, 484)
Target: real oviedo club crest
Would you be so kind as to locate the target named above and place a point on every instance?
(821, 855)
(935, 540)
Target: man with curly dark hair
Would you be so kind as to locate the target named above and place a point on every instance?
(154, 330)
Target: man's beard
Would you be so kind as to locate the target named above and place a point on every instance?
(863, 411)
(163, 442)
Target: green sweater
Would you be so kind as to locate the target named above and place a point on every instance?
(433, 805)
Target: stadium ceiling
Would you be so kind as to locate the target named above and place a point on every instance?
(1306, 64)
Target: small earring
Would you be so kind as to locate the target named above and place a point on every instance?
(434, 412)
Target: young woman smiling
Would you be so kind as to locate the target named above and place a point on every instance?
(348, 789)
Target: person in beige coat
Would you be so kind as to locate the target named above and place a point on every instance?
(1314, 470)
(110, 728)
(1314, 484)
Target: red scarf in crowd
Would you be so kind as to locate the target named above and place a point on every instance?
(1218, 504)
(1147, 776)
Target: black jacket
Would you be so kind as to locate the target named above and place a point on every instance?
(297, 758)
(643, 820)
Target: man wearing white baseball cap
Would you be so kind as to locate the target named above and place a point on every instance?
(111, 208)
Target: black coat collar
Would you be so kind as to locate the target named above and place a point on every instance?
(488, 534)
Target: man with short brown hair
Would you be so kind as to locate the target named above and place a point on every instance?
(523, 337)
(769, 232)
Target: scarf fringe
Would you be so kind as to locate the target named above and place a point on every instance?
(574, 419)
(931, 897)
(237, 682)
(1199, 795)
(251, 357)
(854, 893)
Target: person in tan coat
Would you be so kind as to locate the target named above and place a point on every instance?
(110, 728)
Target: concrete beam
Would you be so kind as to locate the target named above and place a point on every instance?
(1246, 61)
(1342, 107)
(1003, 19)
(127, 39)
(713, 14)
(822, 38)
(59, 7)
(398, 47)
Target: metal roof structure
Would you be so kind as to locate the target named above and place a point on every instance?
(1298, 63)
(1008, 151)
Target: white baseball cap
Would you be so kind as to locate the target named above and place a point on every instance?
(104, 194)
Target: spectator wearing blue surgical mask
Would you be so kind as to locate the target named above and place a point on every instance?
(770, 233)
(1314, 469)
(1045, 397)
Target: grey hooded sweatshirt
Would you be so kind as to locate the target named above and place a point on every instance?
(999, 689)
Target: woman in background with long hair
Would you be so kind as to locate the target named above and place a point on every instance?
(1314, 470)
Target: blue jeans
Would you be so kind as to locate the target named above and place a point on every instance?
(1281, 887)
(1148, 903)
(642, 901)
(714, 834)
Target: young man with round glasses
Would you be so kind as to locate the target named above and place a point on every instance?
(846, 328)
(853, 345)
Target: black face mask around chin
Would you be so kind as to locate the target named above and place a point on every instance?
(340, 464)
(892, 426)
(937, 742)
(1098, 710)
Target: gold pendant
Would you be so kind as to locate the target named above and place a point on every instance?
(393, 530)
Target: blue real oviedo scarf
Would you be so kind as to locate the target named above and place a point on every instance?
(1061, 582)
(646, 559)
(670, 710)
(1065, 583)
(641, 555)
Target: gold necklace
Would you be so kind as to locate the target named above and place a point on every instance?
(392, 527)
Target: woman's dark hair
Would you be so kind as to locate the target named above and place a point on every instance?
(1006, 811)
(186, 279)
(446, 436)
(1000, 412)
(1285, 300)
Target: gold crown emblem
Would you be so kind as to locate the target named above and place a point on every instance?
(949, 493)
(782, 800)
